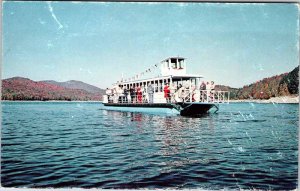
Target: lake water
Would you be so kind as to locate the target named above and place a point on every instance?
(243, 146)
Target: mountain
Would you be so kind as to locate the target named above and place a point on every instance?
(285, 84)
(73, 84)
(19, 88)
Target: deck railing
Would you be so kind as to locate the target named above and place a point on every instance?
(202, 96)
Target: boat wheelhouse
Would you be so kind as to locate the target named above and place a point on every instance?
(173, 90)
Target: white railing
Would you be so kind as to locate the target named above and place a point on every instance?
(137, 99)
(207, 96)
(202, 96)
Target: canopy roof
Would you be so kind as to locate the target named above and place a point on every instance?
(174, 78)
(179, 58)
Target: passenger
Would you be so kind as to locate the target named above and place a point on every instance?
(187, 92)
(109, 94)
(203, 86)
(115, 94)
(207, 96)
(193, 93)
(150, 90)
(212, 91)
(176, 94)
(136, 93)
(120, 93)
(181, 93)
(143, 90)
(202, 93)
(132, 93)
(212, 86)
(125, 92)
(139, 94)
(172, 92)
(167, 93)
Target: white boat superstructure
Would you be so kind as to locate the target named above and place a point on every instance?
(173, 88)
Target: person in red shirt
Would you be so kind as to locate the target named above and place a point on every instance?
(139, 94)
(167, 93)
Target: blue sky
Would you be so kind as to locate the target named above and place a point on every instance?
(232, 44)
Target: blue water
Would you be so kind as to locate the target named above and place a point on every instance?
(243, 146)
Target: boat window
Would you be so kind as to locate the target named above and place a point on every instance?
(160, 85)
(174, 63)
(180, 64)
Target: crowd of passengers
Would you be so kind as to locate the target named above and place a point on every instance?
(172, 93)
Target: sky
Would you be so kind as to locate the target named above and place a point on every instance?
(233, 44)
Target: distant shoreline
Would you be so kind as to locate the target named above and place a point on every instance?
(52, 101)
(282, 99)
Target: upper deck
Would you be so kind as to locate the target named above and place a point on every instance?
(171, 69)
(174, 66)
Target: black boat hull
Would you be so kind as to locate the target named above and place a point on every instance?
(184, 109)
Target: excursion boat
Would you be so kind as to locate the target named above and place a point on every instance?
(172, 91)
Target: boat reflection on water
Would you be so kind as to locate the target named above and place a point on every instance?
(178, 141)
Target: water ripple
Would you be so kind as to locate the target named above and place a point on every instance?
(243, 146)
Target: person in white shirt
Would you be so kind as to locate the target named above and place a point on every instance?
(109, 94)
(172, 91)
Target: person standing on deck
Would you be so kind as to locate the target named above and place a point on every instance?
(150, 91)
(193, 93)
(202, 89)
(172, 92)
(132, 93)
(109, 94)
(143, 90)
(125, 92)
(212, 86)
(212, 90)
(139, 94)
(179, 95)
(167, 93)
(120, 93)
(207, 96)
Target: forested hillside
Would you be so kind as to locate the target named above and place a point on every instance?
(18, 88)
(280, 85)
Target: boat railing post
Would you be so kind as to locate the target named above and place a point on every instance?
(223, 97)
(201, 95)
(206, 95)
(228, 97)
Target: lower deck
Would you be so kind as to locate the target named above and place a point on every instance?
(182, 108)
(154, 105)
